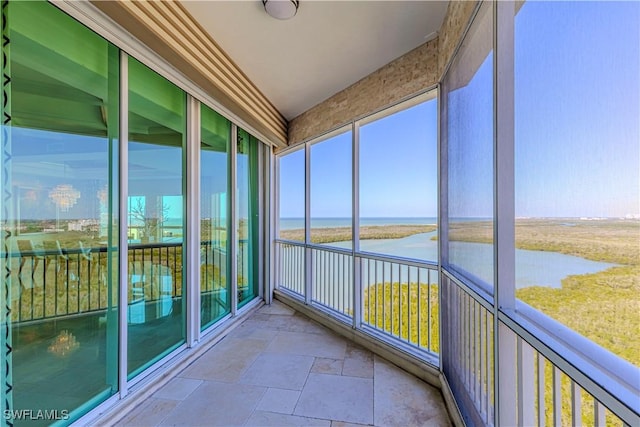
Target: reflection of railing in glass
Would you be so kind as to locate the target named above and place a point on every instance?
(244, 279)
(57, 282)
(53, 281)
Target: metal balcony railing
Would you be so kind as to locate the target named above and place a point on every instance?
(397, 298)
(548, 382)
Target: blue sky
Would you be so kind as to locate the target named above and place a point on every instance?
(578, 109)
(577, 130)
(577, 105)
(397, 162)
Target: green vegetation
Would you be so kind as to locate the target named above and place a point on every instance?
(614, 241)
(602, 306)
(367, 232)
(397, 309)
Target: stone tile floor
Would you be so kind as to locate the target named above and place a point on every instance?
(279, 368)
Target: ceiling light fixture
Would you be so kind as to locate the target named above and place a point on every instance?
(281, 9)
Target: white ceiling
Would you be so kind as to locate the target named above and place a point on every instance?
(325, 48)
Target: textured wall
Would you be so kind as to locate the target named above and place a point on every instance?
(455, 21)
(402, 77)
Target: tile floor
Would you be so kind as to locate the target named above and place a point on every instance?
(279, 368)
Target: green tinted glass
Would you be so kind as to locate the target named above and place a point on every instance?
(59, 207)
(215, 297)
(155, 311)
(247, 211)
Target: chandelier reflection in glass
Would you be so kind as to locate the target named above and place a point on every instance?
(65, 197)
(64, 344)
(102, 195)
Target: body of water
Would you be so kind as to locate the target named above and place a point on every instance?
(533, 268)
(298, 223)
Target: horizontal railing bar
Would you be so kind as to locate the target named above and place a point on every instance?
(413, 262)
(54, 252)
(290, 292)
(625, 371)
(155, 245)
(478, 285)
(413, 350)
(95, 249)
(595, 380)
(331, 311)
(480, 298)
(290, 242)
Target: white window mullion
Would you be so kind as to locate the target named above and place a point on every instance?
(233, 214)
(123, 254)
(504, 209)
(192, 216)
(308, 278)
(355, 209)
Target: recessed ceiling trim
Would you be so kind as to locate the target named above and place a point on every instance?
(167, 29)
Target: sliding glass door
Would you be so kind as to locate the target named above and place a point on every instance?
(155, 311)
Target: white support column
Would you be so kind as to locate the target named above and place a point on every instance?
(192, 216)
(504, 209)
(355, 220)
(233, 214)
(308, 276)
(263, 215)
(443, 219)
(272, 224)
(123, 255)
(276, 262)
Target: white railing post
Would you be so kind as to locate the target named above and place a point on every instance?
(526, 384)
(576, 405)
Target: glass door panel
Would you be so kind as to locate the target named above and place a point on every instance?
(155, 312)
(215, 292)
(59, 239)
(247, 212)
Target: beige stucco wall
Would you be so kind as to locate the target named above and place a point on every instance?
(413, 72)
(455, 22)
